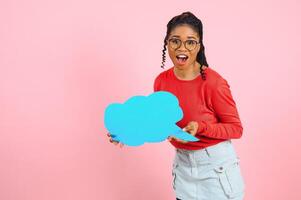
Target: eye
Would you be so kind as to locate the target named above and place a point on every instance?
(175, 41)
(191, 42)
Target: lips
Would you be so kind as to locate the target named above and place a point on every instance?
(181, 58)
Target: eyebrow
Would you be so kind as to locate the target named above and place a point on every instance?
(187, 37)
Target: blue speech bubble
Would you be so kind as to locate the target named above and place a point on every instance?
(146, 119)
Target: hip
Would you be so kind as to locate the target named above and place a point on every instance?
(214, 168)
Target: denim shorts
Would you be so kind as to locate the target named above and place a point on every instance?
(212, 173)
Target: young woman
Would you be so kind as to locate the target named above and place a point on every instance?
(209, 168)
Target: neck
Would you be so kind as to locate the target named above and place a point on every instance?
(189, 72)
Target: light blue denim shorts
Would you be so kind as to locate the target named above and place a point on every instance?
(212, 173)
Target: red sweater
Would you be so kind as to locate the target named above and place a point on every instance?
(208, 102)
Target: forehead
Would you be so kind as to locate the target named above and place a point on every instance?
(184, 31)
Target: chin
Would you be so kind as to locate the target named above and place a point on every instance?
(182, 66)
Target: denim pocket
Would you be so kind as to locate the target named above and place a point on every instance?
(230, 178)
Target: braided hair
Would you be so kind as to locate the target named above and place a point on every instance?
(196, 24)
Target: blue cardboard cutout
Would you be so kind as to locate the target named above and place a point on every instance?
(146, 119)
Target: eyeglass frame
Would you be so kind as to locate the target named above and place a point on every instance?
(184, 43)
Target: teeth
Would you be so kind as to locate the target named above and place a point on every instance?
(182, 56)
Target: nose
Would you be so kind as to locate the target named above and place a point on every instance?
(182, 47)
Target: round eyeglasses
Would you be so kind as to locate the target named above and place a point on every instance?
(188, 44)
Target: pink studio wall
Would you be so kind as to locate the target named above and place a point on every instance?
(62, 62)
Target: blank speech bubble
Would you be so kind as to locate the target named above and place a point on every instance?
(144, 119)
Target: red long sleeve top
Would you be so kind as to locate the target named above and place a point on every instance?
(208, 102)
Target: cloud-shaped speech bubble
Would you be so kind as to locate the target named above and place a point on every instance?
(146, 119)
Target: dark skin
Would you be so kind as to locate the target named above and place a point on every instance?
(187, 71)
(191, 68)
(114, 142)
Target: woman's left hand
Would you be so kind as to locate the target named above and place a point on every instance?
(191, 127)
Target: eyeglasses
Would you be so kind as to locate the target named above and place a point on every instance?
(188, 44)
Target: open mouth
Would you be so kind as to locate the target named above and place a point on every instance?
(181, 58)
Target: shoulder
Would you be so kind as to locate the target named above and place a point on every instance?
(163, 75)
(214, 80)
(161, 78)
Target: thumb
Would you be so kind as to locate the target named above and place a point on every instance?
(170, 138)
(187, 128)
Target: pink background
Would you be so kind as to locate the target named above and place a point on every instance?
(62, 62)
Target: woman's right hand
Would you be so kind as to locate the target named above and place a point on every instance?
(171, 138)
(113, 141)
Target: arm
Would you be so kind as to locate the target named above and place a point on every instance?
(156, 84)
(229, 125)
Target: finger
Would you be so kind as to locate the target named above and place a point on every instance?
(189, 127)
(194, 131)
(113, 141)
(121, 145)
(182, 141)
(187, 130)
(170, 138)
(112, 136)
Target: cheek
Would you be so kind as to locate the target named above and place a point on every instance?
(193, 57)
(171, 53)
(194, 54)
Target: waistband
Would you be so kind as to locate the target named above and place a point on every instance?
(215, 153)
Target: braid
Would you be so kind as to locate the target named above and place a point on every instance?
(202, 59)
(163, 54)
(203, 74)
